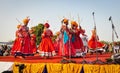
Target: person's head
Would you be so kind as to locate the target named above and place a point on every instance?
(83, 32)
(18, 26)
(46, 25)
(31, 31)
(58, 33)
(115, 43)
(94, 31)
(26, 21)
(65, 21)
(74, 24)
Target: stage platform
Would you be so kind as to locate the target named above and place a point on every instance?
(37, 64)
(55, 59)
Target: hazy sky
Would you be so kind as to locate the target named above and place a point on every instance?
(53, 11)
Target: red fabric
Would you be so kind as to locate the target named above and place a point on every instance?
(78, 44)
(26, 40)
(64, 49)
(22, 41)
(56, 59)
(93, 43)
(46, 44)
(17, 46)
(33, 44)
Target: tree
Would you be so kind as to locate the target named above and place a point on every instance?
(38, 30)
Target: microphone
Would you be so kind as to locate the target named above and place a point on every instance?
(110, 18)
(93, 13)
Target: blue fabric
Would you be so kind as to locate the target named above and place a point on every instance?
(73, 38)
(45, 70)
(66, 38)
(82, 70)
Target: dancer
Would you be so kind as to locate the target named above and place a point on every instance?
(76, 39)
(94, 42)
(33, 42)
(116, 47)
(17, 43)
(57, 42)
(22, 42)
(66, 47)
(46, 47)
(84, 38)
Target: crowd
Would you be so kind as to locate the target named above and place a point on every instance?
(5, 50)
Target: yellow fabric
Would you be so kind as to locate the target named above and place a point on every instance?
(91, 68)
(29, 68)
(112, 68)
(15, 68)
(54, 68)
(64, 68)
(101, 68)
(37, 68)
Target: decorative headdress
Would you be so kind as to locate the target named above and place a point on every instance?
(26, 20)
(74, 23)
(46, 25)
(65, 21)
(19, 25)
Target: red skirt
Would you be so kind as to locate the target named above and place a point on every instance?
(46, 47)
(17, 46)
(66, 49)
(95, 44)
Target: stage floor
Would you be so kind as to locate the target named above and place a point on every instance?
(56, 59)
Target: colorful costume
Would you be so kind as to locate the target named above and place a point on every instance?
(76, 39)
(33, 43)
(17, 46)
(22, 42)
(84, 38)
(66, 47)
(94, 43)
(46, 46)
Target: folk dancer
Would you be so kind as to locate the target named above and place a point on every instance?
(66, 47)
(84, 38)
(116, 47)
(46, 46)
(94, 43)
(33, 49)
(17, 45)
(76, 39)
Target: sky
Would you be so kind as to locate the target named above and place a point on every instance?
(53, 11)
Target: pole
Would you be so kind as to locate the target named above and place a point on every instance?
(84, 61)
(97, 60)
(18, 21)
(95, 35)
(113, 31)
